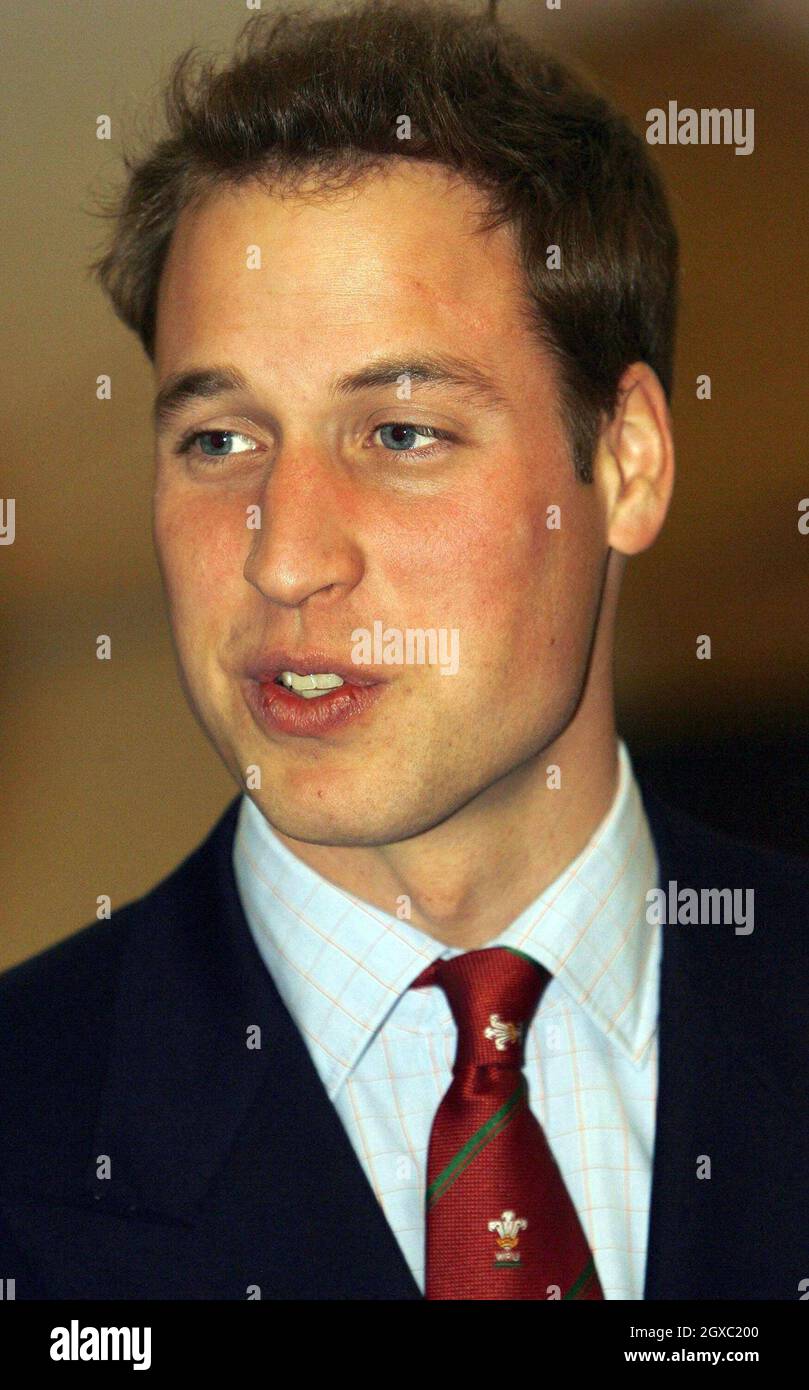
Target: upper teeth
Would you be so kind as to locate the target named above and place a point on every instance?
(311, 685)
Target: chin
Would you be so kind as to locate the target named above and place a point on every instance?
(339, 825)
(320, 826)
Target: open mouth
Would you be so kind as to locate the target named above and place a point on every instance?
(309, 687)
(312, 705)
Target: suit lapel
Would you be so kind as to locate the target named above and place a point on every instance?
(239, 1145)
(686, 1089)
(706, 1234)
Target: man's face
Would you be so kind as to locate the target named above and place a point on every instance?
(364, 524)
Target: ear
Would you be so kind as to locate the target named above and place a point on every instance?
(634, 463)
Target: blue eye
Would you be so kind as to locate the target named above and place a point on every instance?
(220, 443)
(401, 434)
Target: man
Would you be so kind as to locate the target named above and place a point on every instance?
(409, 292)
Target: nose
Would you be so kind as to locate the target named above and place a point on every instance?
(303, 548)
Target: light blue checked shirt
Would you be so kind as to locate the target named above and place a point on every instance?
(385, 1052)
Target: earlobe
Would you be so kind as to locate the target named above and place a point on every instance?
(636, 456)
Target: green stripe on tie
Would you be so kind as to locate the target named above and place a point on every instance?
(530, 959)
(478, 1141)
(584, 1278)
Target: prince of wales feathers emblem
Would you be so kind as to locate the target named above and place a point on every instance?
(502, 1034)
(507, 1231)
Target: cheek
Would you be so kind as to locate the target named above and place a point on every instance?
(482, 551)
(201, 544)
(518, 588)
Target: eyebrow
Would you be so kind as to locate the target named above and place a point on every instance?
(180, 390)
(435, 370)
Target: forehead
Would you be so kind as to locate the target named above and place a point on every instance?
(399, 253)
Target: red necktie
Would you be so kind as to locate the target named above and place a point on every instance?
(500, 1222)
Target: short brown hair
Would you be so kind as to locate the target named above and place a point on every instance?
(308, 93)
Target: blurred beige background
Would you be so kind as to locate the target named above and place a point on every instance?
(107, 781)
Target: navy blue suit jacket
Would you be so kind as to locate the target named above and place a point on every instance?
(229, 1168)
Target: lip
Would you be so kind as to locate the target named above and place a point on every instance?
(277, 710)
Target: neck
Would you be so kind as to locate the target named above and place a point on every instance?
(466, 879)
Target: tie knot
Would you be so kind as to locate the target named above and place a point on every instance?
(493, 994)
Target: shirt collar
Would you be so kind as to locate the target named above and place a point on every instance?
(341, 964)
